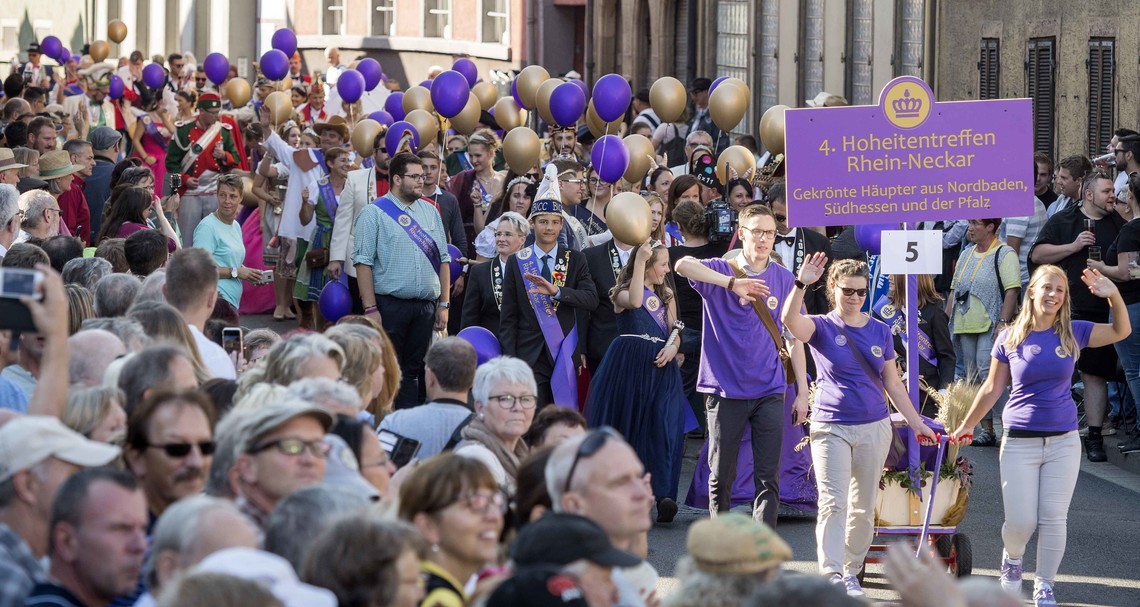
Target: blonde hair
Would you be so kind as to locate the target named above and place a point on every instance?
(844, 268)
(88, 407)
(927, 294)
(485, 137)
(383, 402)
(1023, 324)
(361, 356)
(651, 199)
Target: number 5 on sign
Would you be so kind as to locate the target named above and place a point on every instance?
(912, 251)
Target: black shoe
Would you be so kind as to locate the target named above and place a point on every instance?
(1132, 446)
(1094, 450)
(984, 438)
(666, 510)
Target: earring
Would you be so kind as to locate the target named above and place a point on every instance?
(480, 416)
(435, 547)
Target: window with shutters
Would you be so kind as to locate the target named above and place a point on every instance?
(1101, 65)
(1041, 80)
(989, 69)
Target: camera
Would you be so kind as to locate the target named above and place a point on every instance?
(175, 182)
(721, 220)
(14, 283)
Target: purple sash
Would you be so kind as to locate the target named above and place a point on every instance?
(328, 195)
(895, 318)
(564, 380)
(320, 156)
(674, 230)
(414, 230)
(656, 309)
(367, 163)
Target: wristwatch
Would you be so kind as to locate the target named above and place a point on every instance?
(446, 305)
(233, 272)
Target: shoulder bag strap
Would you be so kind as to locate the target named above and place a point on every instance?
(457, 435)
(769, 324)
(862, 360)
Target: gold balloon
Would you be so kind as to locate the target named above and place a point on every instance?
(727, 105)
(364, 135)
(740, 83)
(508, 113)
(528, 81)
(542, 99)
(629, 218)
(116, 30)
(238, 92)
(486, 93)
(418, 98)
(285, 84)
(280, 107)
(522, 150)
(427, 125)
(597, 126)
(99, 50)
(735, 161)
(668, 98)
(772, 129)
(467, 119)
(641, 157)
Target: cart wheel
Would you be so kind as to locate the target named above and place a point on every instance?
(963, 562)
(944, 544)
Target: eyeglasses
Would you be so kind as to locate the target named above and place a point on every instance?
(590, 445)
(295, 446)
(180, 450)
(507, 401)
(761, 234)
(849, 292)
(1116, 151)
(575, 181)
(781, 218)
(56, 209)
(481, 503)
(197, 79)
(419, 177)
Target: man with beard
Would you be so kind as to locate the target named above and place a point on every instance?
(362, 187)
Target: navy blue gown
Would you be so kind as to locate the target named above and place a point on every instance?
(645, 403)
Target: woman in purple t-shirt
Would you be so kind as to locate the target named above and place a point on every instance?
(850, 425)
(1041, 454)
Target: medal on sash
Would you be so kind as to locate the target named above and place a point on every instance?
(564, 380)
(328, 195)
(497, 282)
(656, 309)
(615, 260)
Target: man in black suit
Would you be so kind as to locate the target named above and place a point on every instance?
(605, 262)
(796, 244)
(485, 280)
(547, 285)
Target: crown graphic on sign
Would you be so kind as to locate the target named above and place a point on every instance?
(907, 107)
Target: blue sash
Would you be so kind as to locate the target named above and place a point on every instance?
(414, 230)
(656, 309)
(674, 230)
(367, 163)
(896, 320)
(564, 380)
(328, 195)
(320, 156)
(880, 283)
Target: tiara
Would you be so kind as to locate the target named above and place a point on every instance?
(518, 180)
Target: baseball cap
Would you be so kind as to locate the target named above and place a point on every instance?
(343, 471)
(271, 571)
(31, 439)
(733, 543)
(538, 587)
(267, 419)
(561, 539)
(103, 137)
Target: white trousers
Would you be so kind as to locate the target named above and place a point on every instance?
(848, 463)
(1038, 476)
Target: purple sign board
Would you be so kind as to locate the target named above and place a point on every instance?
(909, 159)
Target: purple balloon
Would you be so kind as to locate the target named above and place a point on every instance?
(217, 67)
(350, 85)
(567, 104)
(51, 46)
(485, 343)
(869, 236)
(382, 117)
(582, 85)
(515, 94)
(716, 83)
(456, 267)
(394, 105)
(426, 84)
(467, 67)
(370, 69)
(609, 157)
(116, 88)
(335, 301)
(64, 56)
(449, 93)
(285, 41)
(154, 76)
(274, 64)
(611, 97)
(396, 132)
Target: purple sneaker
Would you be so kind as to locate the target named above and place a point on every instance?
(1011, 576)
(852, 584)
(1043, 595)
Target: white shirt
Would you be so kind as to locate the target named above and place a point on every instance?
(290, 222)
(785, 250)
(217, 362)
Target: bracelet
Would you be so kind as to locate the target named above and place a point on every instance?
(800, 285)
(675, 333)
(1003, 322)
(731, 282)
(371, 309)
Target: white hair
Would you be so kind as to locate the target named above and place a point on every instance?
(33, 203)
(9, 203)
(501, 369)
(178, 529)
(517, 221)
(326, 393)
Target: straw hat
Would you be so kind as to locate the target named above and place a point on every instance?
(735, 544)
(8, 160)
(56, 164)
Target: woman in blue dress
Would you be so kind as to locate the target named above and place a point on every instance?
(637, 389)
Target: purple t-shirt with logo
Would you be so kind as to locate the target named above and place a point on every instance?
(738, 358)
(844, 393)
(1040, 396)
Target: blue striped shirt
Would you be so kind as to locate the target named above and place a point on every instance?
(399, 267)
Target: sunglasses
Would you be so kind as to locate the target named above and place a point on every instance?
(180, 450)
(781, 218)
(849, 292)
(593, 443)
(295, 446)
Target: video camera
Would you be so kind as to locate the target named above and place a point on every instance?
(721, 220)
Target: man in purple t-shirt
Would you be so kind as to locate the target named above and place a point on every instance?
(740, 372)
